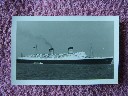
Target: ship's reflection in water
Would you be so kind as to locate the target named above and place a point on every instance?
(64, 71)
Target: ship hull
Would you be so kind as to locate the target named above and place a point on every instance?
(81, 61)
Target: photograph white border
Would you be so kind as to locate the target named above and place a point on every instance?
(64, 18)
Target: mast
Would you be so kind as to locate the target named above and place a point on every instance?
(21, 54)
(35, 47)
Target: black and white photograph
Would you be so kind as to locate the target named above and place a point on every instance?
(65, 49)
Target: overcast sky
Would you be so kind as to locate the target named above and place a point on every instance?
(63, 34)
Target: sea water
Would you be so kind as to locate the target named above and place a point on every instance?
(64, 71)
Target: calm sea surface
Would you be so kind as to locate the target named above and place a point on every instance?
(64, 71)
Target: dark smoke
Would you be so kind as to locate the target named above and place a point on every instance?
(38, 37)
(47, 43)
(44, 40)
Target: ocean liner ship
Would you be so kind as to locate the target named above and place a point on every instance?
(64, 58)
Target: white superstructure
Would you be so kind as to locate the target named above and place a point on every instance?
(64, 56)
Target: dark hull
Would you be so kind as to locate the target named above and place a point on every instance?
(83, 61)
